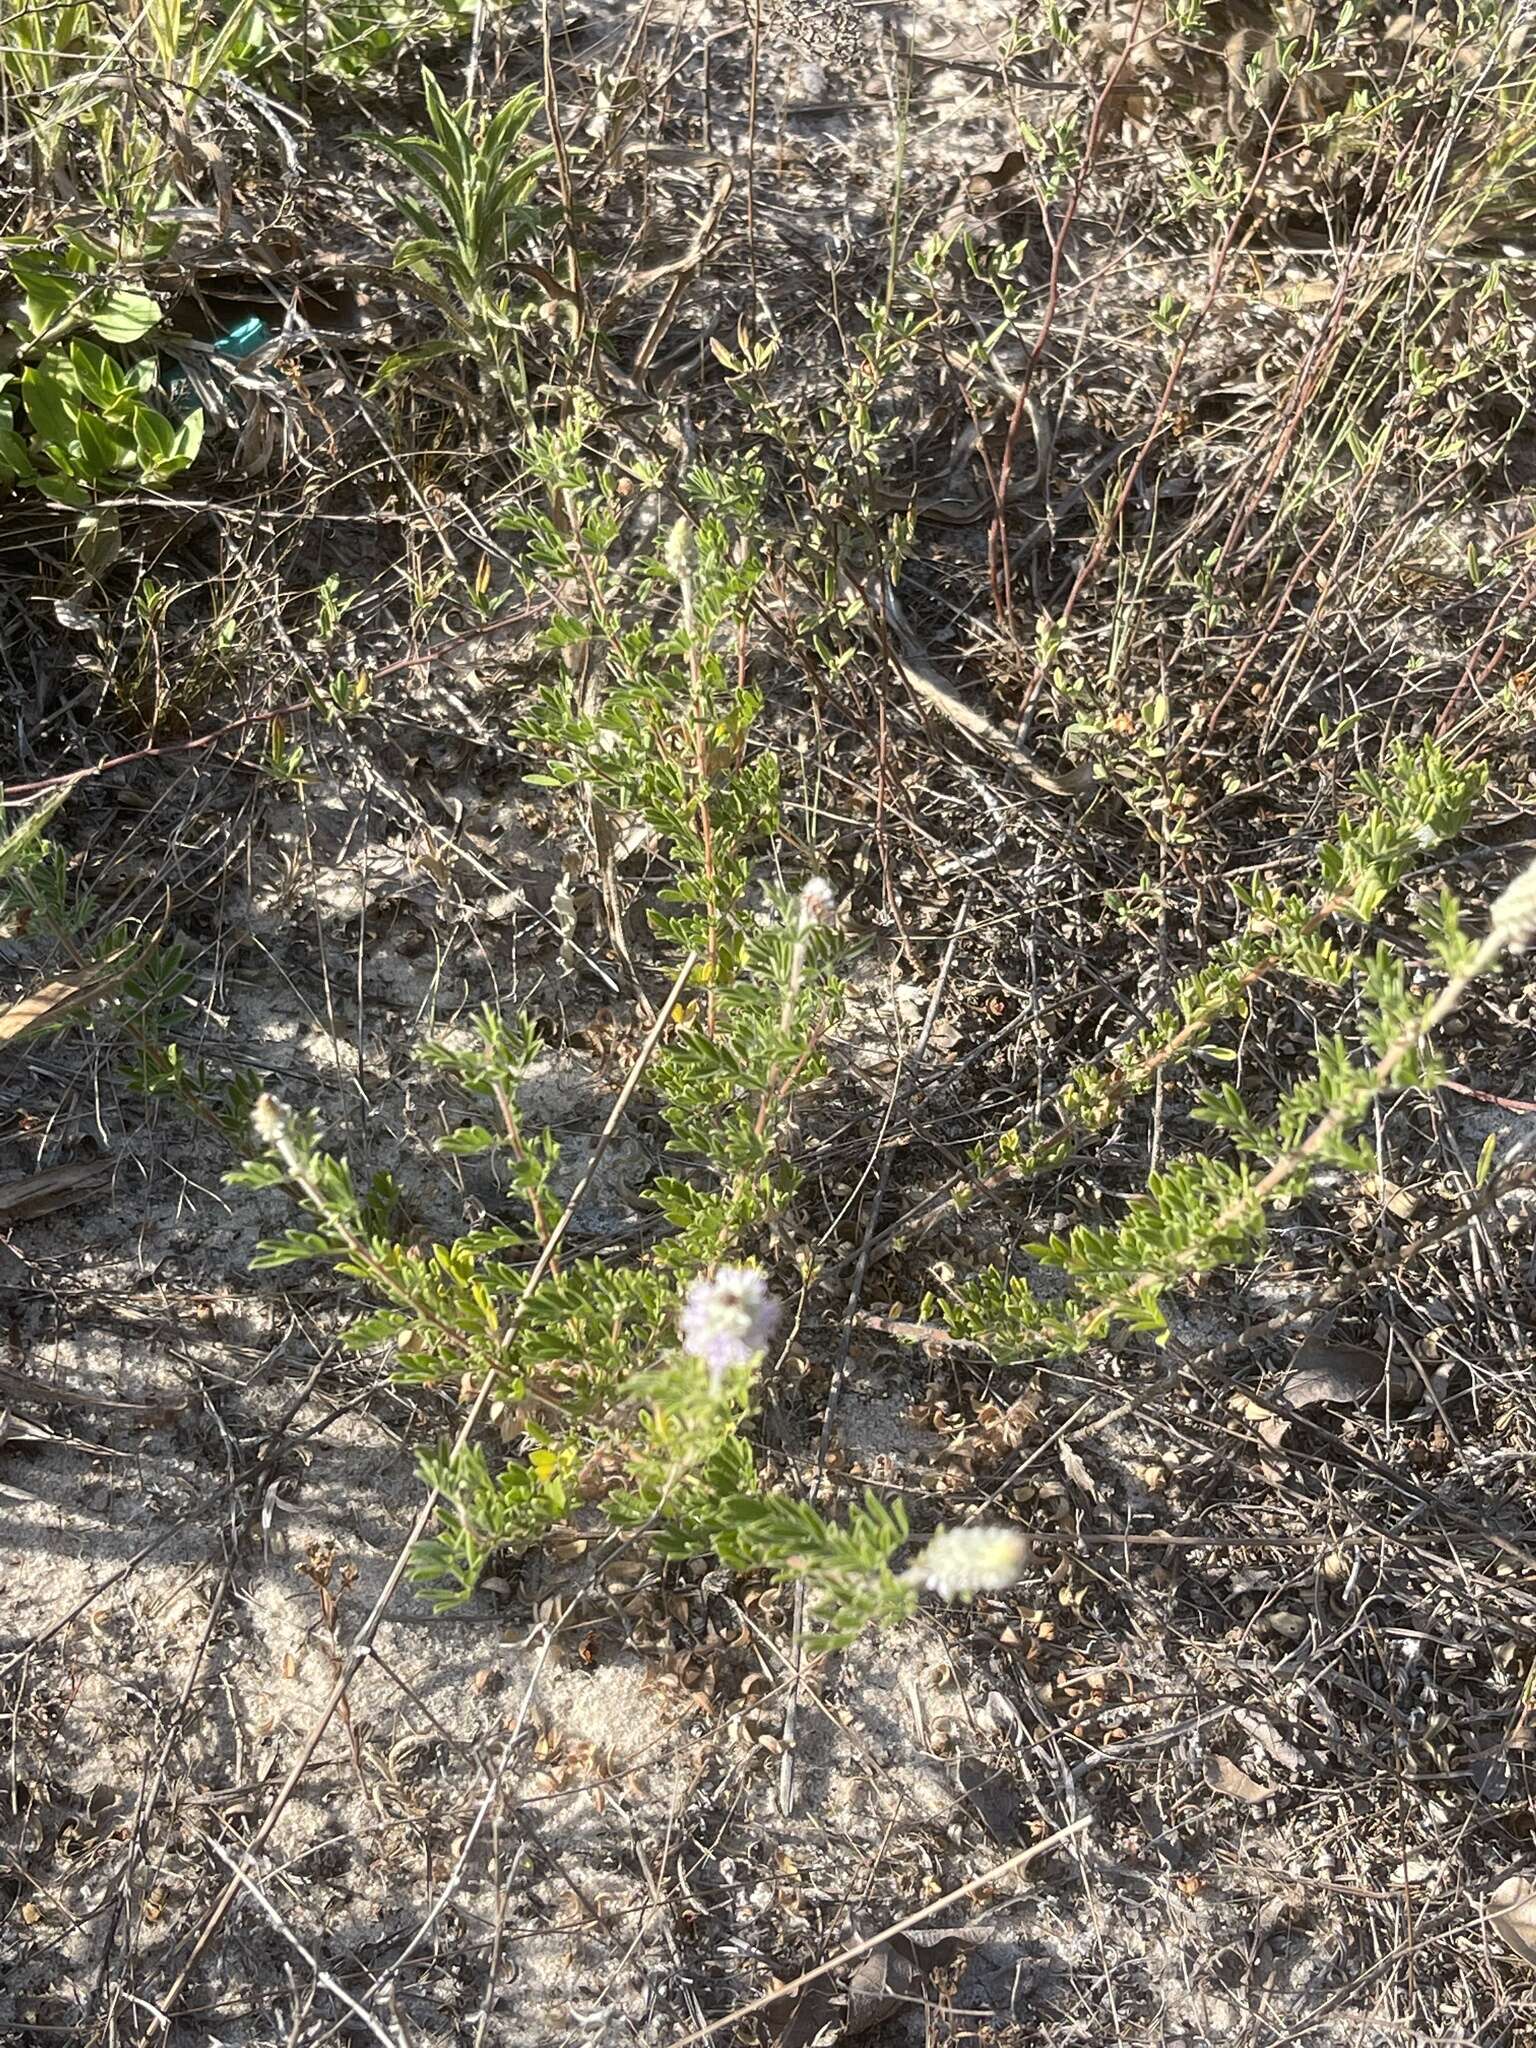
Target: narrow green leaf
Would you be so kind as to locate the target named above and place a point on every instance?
(1485, 1159)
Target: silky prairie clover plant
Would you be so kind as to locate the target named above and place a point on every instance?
(620, 1387)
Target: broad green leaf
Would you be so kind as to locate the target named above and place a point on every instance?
(101, 448)
(51, 413)
(98, 540)
(48, 297)
(64, 491)
(188, 440)
(15, 462)
(123, 316)
(153, 436)
(84, 252)
(97, 376)
(48, 300)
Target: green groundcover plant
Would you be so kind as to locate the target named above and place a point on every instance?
(622, 1390)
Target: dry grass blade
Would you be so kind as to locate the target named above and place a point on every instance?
(56, 1000)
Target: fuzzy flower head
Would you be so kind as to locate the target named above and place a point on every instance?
(678, 547)
(961, 1562)
(818, 902)
(728, 1318)
(272, 1121)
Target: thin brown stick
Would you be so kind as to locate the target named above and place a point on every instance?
(862, 1948)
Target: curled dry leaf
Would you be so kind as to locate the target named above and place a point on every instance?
(1077, 1472)
(1331, 1373)
(890, 1979)
(1512, 1915)
(1226, 1777)
(1328, 1375)
(989, 178)
(1270, 1740)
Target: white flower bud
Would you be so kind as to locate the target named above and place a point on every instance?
(271, 1120)
(679, 543)
(818, 902)
(960, 1562)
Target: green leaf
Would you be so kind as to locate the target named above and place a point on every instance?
(48, 298)
(412, 358)
(188, 440)
(1485, 1159)
(51, 412)
(84, 251)
(154, 437)
(381, 1327)
(123, 316)
(101, 448)
(292, 1247)
(15, 462)
(256, 1173)
(238, 34)
(99, 378)
(98, 541)
(472, 1141)
(63, 490)
(24, 847)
